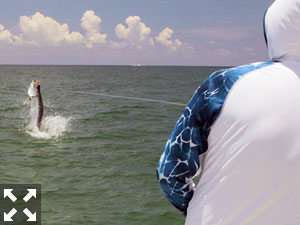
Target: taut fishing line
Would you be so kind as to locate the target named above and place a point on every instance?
(131, 98)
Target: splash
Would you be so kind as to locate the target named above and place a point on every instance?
(52, 127)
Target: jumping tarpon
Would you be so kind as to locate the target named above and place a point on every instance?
(37, 107)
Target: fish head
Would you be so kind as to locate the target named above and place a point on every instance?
(33, 88)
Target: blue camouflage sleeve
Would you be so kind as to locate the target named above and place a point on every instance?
(180, 161)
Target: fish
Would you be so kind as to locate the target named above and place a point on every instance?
(36, 101)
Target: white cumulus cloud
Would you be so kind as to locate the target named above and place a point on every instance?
(164, 38)
(91, 23)
(5, 35)
(136, 32)
(43, 30)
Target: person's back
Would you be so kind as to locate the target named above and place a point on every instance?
(251, 169)
(246, 121)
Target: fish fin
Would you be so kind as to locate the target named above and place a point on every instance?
(28, 100)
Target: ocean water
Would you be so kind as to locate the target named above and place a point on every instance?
(98, 150)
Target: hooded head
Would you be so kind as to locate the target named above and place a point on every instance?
(282, 30)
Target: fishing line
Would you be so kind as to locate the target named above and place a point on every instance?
(131, 98)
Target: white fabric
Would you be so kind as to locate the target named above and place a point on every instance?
(282, 24)
(251, 170)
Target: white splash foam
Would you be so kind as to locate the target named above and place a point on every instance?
(52, 127)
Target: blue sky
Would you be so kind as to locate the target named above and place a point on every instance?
(157, 32)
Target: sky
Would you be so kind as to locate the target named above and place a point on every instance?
(132, 32)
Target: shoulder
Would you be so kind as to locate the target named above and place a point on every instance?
(221, 81)
(211, 94)
(222, 77)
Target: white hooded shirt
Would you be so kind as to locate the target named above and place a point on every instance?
(246, 122)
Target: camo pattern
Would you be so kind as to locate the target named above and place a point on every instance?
(180, 162)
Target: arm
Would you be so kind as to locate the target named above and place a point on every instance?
(180, 161)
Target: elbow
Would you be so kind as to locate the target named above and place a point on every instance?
(177, 193)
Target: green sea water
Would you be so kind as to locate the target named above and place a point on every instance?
(97, 162)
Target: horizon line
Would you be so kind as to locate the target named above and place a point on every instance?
(132, 65)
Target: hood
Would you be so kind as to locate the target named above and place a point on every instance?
(282, 30)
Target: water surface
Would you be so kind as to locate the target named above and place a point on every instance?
(100, 169)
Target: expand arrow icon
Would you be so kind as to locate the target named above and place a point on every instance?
(8, 216)
(31, 217)
(7, 193)
(31, 193)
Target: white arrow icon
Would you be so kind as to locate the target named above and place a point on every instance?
(31, 193)
(7, 193)
(31, 217)
(8, 216)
